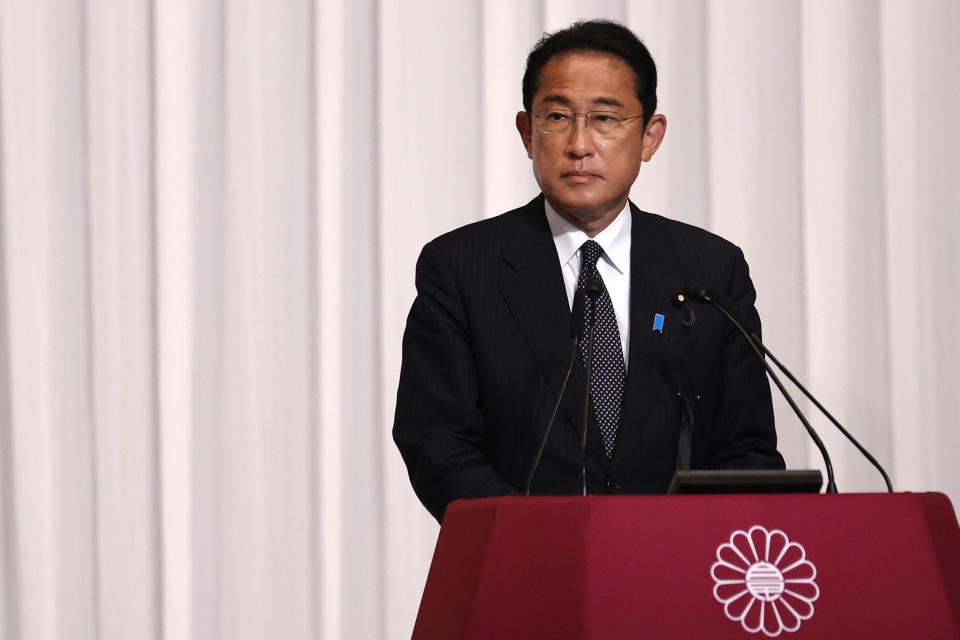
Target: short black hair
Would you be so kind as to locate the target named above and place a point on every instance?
(602, 36)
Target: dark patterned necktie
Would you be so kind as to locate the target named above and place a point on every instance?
(606, 383)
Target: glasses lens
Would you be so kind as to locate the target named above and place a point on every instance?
(604, 123)
(555, 120)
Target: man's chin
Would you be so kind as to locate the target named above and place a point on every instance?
(587, 215)
(584, 208)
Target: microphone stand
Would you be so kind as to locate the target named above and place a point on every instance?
(701, 294)
(576, 328)
(823, 410)
(594, 287)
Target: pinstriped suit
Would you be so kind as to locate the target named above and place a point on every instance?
(486, 346)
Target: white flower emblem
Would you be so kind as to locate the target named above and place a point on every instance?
(764, 581)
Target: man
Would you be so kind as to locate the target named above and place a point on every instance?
(487, 342)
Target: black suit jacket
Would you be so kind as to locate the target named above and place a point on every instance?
(487, 344)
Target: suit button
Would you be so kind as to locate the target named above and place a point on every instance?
(613, 486)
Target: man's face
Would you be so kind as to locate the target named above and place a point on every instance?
(587, 177)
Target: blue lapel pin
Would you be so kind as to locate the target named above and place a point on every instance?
(658, 322)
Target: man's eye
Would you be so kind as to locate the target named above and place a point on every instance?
(557, 116)
(603, 117)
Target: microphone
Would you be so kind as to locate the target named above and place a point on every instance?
(699, 293)
(576, 328)
(593, 287)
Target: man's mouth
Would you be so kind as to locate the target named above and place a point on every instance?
(579, 176)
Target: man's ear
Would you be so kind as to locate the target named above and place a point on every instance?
(523, 126)
(653, 135)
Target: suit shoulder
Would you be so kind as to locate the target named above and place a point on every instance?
(488, 230)
(683, 234)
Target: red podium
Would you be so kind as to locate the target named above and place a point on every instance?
(701, 567)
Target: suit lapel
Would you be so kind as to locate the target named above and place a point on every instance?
(532, 286)
(652, 275)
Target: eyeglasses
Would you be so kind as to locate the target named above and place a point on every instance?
(603, 123)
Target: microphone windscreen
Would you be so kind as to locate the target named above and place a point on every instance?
(594, 287)
(697, 292)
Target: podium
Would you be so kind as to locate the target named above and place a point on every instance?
(725, 566)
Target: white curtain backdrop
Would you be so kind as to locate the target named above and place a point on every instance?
(210, 212)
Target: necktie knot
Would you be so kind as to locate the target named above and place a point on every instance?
(590, 252)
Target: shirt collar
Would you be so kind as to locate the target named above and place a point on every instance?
(614, 239)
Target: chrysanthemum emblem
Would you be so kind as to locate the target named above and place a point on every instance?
(764, 581)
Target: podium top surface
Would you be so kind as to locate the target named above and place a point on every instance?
(763, 501)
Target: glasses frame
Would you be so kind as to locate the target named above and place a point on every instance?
(574, 115)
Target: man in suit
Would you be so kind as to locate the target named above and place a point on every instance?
(488, 339)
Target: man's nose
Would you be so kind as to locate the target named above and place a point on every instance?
(581, 142)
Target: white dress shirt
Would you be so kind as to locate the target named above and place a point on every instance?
(614, 264)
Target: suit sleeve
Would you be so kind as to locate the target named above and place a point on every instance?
(746, 437)
(438, 426)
